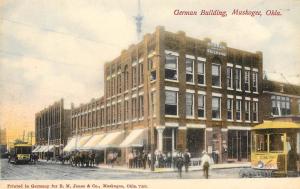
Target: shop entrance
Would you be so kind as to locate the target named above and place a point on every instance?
(238, 145)
(195, 141)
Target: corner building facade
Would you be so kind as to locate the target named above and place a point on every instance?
(197, 95)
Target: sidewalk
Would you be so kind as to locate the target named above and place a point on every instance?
(191, 168)
(161, 170)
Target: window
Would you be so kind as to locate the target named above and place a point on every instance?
(201, 72)
(126, 104)
(153, 75)
(216, 107)
(150, 64)
(141, 106)
(133, 108)
(171, 103)
(141, 73)
(238, 79)
(276, 142)
(247, 110)
(238, 109)
(216, 75)
(189, 70)
(229, 77)
(171, 67)
(119, 112)
(254, 81)
(108, 114)
(126, 77)
(229, 108)
(261, 142)
(134, 76)
(281, 105)
(119, 83)
(189, 104)
(247, 80)
(153, 103)
(255, 111)
(201, 106)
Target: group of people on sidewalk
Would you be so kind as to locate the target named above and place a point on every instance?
(178, 160)
(184, 160)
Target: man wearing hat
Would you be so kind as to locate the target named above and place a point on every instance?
(205, 161)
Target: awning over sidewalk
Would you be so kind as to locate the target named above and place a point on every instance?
(36, 149)
(111, 140)
(82, 141)
(70, 145)
(135, 138)
(92, 142)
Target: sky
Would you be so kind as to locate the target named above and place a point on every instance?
(56, 49)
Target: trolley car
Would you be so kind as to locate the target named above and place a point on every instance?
(275, 148)
(20, 153)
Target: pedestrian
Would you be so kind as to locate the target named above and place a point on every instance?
(187, 159)
(205, 163)
(144, 159)
(179, 165)
(130, 159)
(149, 159)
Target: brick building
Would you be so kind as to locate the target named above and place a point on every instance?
(3, 141)
(198, 95)
(280, 99)
(52, 123)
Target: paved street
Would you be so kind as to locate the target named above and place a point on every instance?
(44, 171)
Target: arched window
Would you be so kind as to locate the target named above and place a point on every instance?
(126, 77)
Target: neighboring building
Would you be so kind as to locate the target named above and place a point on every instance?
(3, 141)
(197, 94)
(280, 99)
(52, 124)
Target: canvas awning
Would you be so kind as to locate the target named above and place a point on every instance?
(36, 149)
(92, 142)
(83, 140)
(70, 145)
(135, 138)
(111, 140)
(277, 125)
(46, 149)
(41, 149)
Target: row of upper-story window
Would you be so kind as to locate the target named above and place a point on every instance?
(192, 76)
(281, 105)
(119, 82)
(54, 133)
(199, 110)
(49, 118)
(112, 114)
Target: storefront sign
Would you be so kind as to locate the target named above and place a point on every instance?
(214, 48)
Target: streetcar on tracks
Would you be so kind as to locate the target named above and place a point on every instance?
(275, 148)
(20, 153)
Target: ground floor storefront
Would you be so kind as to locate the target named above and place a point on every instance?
(133, 148)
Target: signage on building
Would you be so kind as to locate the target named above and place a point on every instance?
(217, 49)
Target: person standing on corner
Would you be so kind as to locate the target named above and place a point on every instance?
(179, 164)
(205, 162)
(187, 159)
